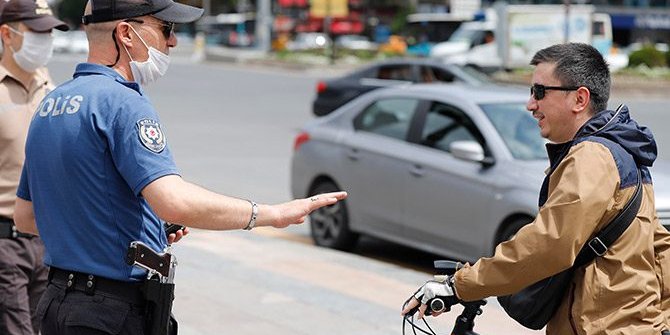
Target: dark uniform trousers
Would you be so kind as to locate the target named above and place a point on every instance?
(78, 304)
(23, 278)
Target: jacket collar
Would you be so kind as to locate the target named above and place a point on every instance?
(596, 124)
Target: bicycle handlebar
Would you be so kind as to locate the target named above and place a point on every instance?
(466, 321)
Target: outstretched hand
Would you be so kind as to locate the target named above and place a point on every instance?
(296, 211)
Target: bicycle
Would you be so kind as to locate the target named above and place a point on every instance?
(465, 322)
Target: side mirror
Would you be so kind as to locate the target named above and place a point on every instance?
(470, 151)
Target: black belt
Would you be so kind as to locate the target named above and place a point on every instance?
(8, 229)
(130, 292)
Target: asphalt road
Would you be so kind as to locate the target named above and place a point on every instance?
(231, 129)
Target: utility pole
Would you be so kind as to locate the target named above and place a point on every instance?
(207, 7)
(327, 10)
(263, 25)
(327, 22)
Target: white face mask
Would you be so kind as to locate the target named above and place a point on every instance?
(151, 69)
(35, 51)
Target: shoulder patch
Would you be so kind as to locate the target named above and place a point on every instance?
(151, 135)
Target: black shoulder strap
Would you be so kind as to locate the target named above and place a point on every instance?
(607, 236)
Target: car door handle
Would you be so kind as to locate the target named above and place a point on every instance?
(417, 171)
(353, 154)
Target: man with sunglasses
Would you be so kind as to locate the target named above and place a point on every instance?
(99, 175)
(25, 30)
(594, 154)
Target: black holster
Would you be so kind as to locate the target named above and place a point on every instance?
(159, 297)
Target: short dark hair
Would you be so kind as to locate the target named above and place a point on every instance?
(579, 64)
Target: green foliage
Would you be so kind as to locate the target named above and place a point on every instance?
(361, 54)
(667, 58)
(71, 12)
(400, 20)
(648, 56)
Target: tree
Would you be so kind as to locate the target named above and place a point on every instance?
(71, 11)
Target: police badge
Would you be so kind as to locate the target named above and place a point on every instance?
(151, 135)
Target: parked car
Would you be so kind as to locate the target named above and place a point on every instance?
(333, 93)
(451, 169)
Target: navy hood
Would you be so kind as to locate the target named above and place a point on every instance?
(618, 127)
(622, 135)
(615, 126)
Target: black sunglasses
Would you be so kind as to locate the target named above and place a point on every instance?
(538, 91)
(166, 27)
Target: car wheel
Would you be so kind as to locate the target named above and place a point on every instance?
(329, 225)
(509, 231)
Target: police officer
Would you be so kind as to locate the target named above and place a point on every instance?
(99, 174)
(25, 30)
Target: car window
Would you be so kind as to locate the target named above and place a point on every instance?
(442, 75)
(476, 74)
(388, 117)
(395, 72)
(427, 74)
(446, 124)
(518, 129)
(366, 73)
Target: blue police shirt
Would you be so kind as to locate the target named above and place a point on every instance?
(94, 143)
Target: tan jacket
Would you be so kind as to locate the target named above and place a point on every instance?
(627, 291)
(17, 106)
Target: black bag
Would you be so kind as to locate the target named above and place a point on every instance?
(536, 304)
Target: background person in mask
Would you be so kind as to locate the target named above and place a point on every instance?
(111, 177)
(25, 29)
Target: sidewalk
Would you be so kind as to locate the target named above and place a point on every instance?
(247, 283)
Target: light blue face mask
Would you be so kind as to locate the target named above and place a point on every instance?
(36, 50)
(150, 70)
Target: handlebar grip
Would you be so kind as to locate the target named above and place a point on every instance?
(437, 305)
(447, 267)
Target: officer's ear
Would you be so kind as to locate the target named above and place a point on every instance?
(124, 34)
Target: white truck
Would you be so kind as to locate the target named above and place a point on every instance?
(511, 34)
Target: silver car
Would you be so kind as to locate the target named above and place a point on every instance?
(448, 169)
